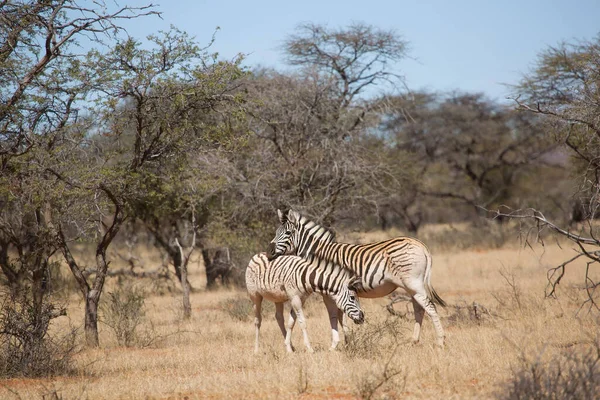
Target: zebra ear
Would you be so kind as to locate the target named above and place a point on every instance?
(281, 215)
(293, 216)
(355, 284)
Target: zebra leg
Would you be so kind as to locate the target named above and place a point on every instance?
(332, 311)
(344, 326)
(419, 313)
(297, 306)
(279, 318)
(290, 327)
(257, 300)
(429, 307)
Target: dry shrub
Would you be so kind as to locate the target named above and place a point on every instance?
(26, 348)
(570, 375)
(382, 376)
(240, 308)
(513, 300)
(475, 313)
(371, 340)
(123, 311)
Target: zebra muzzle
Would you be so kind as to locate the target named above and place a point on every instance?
(271, 251)
(360, 319)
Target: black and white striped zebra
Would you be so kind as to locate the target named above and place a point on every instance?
(294, 278)
(383, 266)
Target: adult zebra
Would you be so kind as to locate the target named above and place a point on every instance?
(383, 266)
(294, 278)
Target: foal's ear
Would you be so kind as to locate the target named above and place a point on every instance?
(282, 216)
(356, 284)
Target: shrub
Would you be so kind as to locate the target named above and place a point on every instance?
(26, 348)
(370, 339)
(571, 375)
(123, 312)
(382, 376)
(240, 308)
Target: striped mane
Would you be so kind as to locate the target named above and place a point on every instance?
(315, 233)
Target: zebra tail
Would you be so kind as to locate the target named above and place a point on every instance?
(431, 293)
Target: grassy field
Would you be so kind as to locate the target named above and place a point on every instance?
(211, 356)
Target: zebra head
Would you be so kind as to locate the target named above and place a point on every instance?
(346, 299)
(283, 242)
(297, 235)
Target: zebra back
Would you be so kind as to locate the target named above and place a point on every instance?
(307, 276)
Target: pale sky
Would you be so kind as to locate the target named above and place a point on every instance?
(468, 45)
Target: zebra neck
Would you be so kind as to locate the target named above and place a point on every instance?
(334, 252)
(325, 277)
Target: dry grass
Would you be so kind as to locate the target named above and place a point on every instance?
(212, 355)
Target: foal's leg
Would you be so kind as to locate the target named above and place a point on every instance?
(297, 306)
(257, 300)
(290, 327)
(345, 328)
(279, 318)
(332, 311)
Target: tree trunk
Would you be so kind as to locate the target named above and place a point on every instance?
(217, 266)
(92, 295)
(180, 261)
(177, 258)
(91, 319)
(39, 287)
(92, 299)
(187, 306)
(208, 269)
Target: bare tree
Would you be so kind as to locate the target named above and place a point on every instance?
(309, 124)
(358, 56)
(563, 90)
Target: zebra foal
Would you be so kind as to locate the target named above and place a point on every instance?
(293, 278)
(383, 266)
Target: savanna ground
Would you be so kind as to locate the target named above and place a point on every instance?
(211, 356)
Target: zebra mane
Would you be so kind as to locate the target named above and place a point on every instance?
(329, 234)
